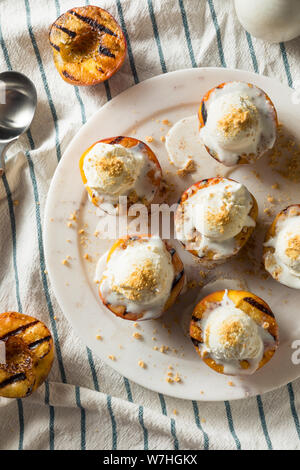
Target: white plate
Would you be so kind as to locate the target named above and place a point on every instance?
(136, 112)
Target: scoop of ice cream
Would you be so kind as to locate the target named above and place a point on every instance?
(220, 211)
(288, 245)
(230, 334)
(112, 169)
(142, 273)
(240, 121)
(233, 120)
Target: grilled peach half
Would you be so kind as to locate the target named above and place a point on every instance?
(241, 238)
(249, 303)
(178, 282)
(88, 45)
(268, 252)
(29, 354)
(203, 114)
(154, 175)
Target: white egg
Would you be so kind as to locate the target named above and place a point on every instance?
(270, 20)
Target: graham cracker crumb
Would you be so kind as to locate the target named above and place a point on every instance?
(137, 335)
(190, 167)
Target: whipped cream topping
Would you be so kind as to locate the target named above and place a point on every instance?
(210, 219)
(284, 263)
(139, 277)
(113, 170)
(230, 336)
(240, 121)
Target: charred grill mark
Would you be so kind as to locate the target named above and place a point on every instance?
(259, 306)
(196, 341)
(105, 51)
(70, 33)
(36, 343)
(194, 318)
(117, 140)
(14, 378)
(177, 278)
(57, 48)
(93, 23)
(67, 75)
(204, 113)
(18, 330)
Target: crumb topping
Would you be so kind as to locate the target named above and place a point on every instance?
(293, 249)
(113, 166)
(141, 279)
(230, 333)
(237, 120)
(219, 218)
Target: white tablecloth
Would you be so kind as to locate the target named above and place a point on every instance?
(85, 404)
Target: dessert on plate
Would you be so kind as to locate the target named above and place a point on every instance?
(215, 218)
(120, 166)
(88, 45)
(238, 123)
(29, 354)
(234, 332)
(282, 247)
(142, 278)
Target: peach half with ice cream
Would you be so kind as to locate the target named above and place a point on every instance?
(238, 123)
(282, 247)
(234, 332)
(142, 278)
(215, 218)
(120, 166)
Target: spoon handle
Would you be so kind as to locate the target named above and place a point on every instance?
(2, 161)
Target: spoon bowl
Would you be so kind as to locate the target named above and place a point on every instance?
(18, 101)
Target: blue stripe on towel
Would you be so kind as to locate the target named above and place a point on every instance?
(156, 35)
(145, 431)
(286, 64)
(14, 238)
(293, 408)
(173, 432)
(218, 32)
(113, 423)
(52, 415)
(129, 49)
(231, 425)
(128, 389)
(187, 33)
(252, 52)
(21, 421)
(82, 419)
(198, 423)
(263, 422)
(93, 369)
(44, 78)
(163, 404)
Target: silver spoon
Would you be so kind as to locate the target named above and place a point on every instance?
(17, 107)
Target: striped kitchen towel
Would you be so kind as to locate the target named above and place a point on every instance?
(85, 404)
